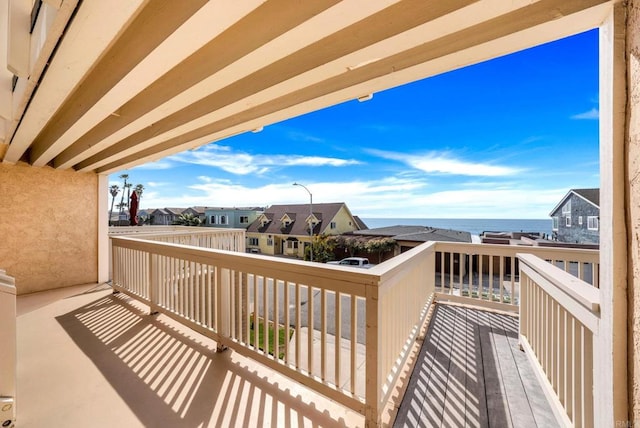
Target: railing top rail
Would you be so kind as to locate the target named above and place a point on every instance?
(571, 254)
(160, 233)
(580, 291)
(255, 263)
(400, 262)
(7, 283)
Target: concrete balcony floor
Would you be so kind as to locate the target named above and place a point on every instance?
(90, 358)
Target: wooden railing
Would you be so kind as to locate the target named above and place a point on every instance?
(559, 316)
(345, 331)
(214, 238)
(8, 349)
(489, 274)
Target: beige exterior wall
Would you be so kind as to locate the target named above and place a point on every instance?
(344, 223)
(633, 192)
(48, 225)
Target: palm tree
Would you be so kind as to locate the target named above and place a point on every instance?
(114, 189)
(139, 189)
(124, 186)
(188, 220)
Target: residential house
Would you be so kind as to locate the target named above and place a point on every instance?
(576, 218)
(197, 212)
(408, 237)
(231, 217)
(284, 229)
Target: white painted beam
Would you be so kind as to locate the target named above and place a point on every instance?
(552, 30)
(96, 25)
(19, 37)
(322, 25)
(191, 36)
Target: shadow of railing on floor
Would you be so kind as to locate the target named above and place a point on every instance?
(168, 378)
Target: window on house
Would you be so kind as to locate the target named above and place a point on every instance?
(292, 245)
(286, 223)
(223, 219)
(253, 241)
(566, 208)
(213, 219)
(580, 220)
(593, 223)
(555, 223)
(333, 225)
(567, 221)
(270, 242)
(244, 219)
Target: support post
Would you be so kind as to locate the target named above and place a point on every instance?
(372, 382)
(610, 345)
(8, 359)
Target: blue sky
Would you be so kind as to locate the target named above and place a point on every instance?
(505, 138)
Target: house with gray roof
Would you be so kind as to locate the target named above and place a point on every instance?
(408, 237)
(576, 218)
(284, 229)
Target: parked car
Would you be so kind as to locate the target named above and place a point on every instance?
(360, 262)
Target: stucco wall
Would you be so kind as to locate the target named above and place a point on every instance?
(48, 227)
(633, 141)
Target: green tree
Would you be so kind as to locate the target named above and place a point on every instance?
(114, 190)
(323, 246)
(125, 185)
(139, 189)
(188, 220)
(380, 246)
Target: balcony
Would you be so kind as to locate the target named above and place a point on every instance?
(359, 340)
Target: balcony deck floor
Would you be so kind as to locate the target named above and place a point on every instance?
(471, 372)
(87, 358)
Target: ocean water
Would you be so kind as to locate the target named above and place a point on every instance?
(475, 226)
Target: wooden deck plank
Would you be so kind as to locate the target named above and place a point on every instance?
(471, 372)
(433, 405)
(497, 407)
(453, 413)
(540, 407)
(476, 414)
(517, 402)
(411, 406)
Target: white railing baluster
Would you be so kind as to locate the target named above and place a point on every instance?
(561, 313)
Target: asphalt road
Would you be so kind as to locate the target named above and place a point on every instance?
(345, 307)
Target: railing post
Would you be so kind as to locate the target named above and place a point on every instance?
(223, 310)
(373, 380)
(8, 345)
(153, 283)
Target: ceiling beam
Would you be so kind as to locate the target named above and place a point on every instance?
(450, 45)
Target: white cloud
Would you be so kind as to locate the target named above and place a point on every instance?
(243, 163)
(392, 197)
(161, 164)
(156, 184)
(592, 114)
(443, 163)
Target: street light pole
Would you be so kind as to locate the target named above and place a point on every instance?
(310, 219)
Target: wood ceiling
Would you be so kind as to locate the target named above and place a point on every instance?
(132, 81)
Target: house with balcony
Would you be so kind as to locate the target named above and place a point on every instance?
(231, 217)
(576, 218)
(285, 229)
(89, 88)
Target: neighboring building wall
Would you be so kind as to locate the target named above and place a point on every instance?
(344, 223)
(633, 204)
(59, 250)
(233, 217)
(576, 232)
